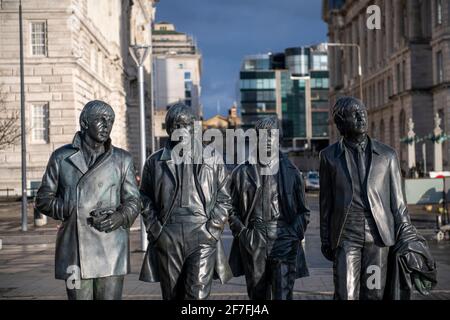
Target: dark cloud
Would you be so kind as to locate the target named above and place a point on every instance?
(227, 30)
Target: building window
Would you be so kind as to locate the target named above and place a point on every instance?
(94, 59)
(399, 78)
(404, 19)
(389, 84)
(391, 132)
(38, 38)
(404, 75)
(187, 75)
(382, 129)
(439, 67)
(100, 64)
(39, 123)
(320, 62)
(438, 12)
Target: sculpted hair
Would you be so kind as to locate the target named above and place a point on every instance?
(269, 123)
(93, 108)
(341, 106)
(176, 111)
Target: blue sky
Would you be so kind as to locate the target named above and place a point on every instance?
(227, 30)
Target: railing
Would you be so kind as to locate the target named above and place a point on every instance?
(15, 194)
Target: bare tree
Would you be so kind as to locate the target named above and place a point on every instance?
(9, 125)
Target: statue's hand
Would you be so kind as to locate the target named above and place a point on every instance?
(421, 284)
(108, 221)
(327, 252)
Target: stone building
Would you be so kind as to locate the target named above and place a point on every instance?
(232, 121)
(405, 67)
(74, 51)
(178, 68)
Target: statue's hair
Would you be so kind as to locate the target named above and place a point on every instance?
(177, 111)
(95, 107)
(342, 104)
(269, 123)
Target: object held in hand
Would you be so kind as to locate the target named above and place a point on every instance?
(98, 215)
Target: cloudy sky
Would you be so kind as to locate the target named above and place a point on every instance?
(227, 30)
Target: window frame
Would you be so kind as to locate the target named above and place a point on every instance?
(45, 36)
(45, 123)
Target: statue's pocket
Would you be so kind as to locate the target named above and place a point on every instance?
(113, 195)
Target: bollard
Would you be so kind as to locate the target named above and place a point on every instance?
(39, 219)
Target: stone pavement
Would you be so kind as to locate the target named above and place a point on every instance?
(27, 263)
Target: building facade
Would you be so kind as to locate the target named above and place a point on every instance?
(74, 51)
(177, 64)
(293, 86)
(405, 68)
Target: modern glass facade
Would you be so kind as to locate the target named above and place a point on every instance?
(293, 106)
(279, 84)
(257, 90)
(319, 104)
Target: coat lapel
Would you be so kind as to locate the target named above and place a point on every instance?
(374, 156)
(344, 160)
(77, 159)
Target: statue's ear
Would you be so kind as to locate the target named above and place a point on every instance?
(83, 125)
(340, 126)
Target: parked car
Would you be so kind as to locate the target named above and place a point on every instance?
(312, 181)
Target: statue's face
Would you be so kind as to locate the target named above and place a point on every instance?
(183, 122)
(99, 127)
(271, 139)
(355, 121)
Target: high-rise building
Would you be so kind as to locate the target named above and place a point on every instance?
(177, 73)
(293, 86)
(405, 68)
(74, 51)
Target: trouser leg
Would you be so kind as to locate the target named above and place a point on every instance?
(282, 264)
(346, 271)
(253, 253)
(169, 252)
(282, 274)
(108, 288)
(199, 271)
(84, 292)
(373, 267)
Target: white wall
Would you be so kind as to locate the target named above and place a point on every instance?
(169, 80)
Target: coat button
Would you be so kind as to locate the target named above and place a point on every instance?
(100, 184)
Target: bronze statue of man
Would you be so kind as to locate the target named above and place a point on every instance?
(90, 186)
(186, 206)
(363, 213)
(268, 221)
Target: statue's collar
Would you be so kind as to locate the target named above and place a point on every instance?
(76, 143)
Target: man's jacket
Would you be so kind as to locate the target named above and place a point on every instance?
(158, 192)
(409, 255)
(384, 192)
(70, 191)
(246, 191)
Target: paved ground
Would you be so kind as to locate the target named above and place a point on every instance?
(27, 263)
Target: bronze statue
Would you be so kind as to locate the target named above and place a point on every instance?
(365, 227)
(268, 221)
(90, 186)
(186, 206)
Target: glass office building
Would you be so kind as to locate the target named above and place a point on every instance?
(292, 85)
(257, 89)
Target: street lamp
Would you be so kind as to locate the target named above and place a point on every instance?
(22, 125)
(308, 108)
(357, 46)
(139, 53)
